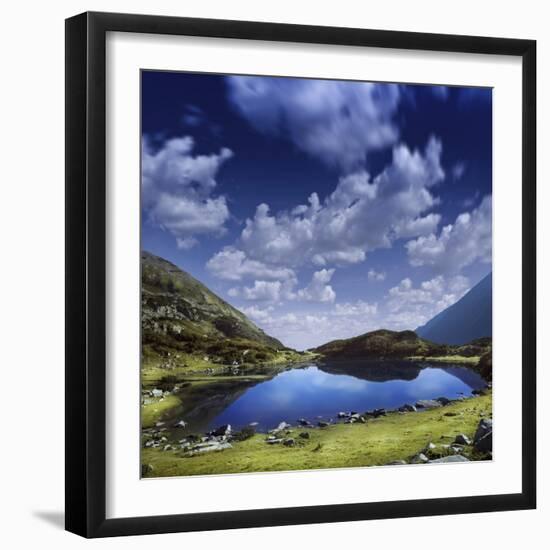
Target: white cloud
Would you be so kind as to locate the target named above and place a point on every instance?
(263, 291)
(318, 290)
(356, 308)
(233, 265)
(458, 170)
(408, 307)
(178, 187)
(337, 122)
(376, 276)
(361, 215)
(458, 245)
(256, 313)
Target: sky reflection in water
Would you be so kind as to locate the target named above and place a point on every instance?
(312, 393)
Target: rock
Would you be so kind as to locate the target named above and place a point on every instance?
(450, 458)
(167, 448)
(222, 430)
(443, 400)
(273, 441)
(362, 419)
(427, 404)
(322, 424)
(290, 442)
(180, 424)
(420, 458)
(209, 447)
(407, 408)
(429, 447)
(158, 424)
(303, 422)
(304, 435)
(483, 438)
(478, 392)
(396, 463)
(282, 426)
(450, 414)
(146, 469)
(343, 415)
(462, 439)
(156, 393)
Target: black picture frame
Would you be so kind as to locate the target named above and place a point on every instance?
(86, 274)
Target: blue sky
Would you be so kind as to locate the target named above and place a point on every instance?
(322, 209)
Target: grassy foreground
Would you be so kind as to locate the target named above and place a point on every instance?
(380, 441)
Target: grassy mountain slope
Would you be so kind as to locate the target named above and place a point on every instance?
(183, 318)
(469, 318)
(390, 344)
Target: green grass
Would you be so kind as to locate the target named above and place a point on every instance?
(448, 359)
(153, 412)
(385, 439)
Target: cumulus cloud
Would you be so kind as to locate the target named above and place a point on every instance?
(336, 122)
(353, 309)
(376, 276)
(362, 214)
(458, 245)
(408, 307)
(178, 190)
(263, 291)
(458, 170)
(233, 265)
(318, 290)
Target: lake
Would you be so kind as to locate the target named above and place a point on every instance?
(320, 391)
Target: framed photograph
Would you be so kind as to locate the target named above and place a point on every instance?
(300, 274)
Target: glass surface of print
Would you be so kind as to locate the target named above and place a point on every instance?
(316, 274)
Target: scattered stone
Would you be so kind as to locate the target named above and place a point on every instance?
(290, 442)
(282, 426)
(304, 422)
(450, 414)
(304, 435)
(180, 424)
(407, 408)
(397, 463)
(420, 458)
(443, 400)
(343, 415)
(450, 458)
(209, 447)
(462, 439)
(273, 441)
(427, 404)
(221, 430)
(167, 448)
(429, 447)
(478, 392)
(156, 393)
(483, 438)
(322, 424)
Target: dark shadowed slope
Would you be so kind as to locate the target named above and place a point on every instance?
(469, 318)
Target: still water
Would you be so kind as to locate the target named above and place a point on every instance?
(320, 391)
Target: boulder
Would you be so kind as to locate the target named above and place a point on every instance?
(303, 422)
(273, 441)
(407, 408)
(427, 404)
(450, 458)
(342, 415)
(420, 458)
(221, 430)
(156, 393)
(304, 435)
(443, 400)
(289, 442)
(483, 438)
(462, 439)
(180, 424)
(322, 424)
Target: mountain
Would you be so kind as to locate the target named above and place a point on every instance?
(469, 318)
(179, 313)
(379, 344)
(388, 344)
